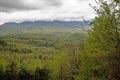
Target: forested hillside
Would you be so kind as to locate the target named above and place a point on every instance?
(64, 53)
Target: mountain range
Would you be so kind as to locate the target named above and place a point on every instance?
(29, 26)
(54, 23)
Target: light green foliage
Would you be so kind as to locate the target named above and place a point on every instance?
(41, 48)
(100, 60)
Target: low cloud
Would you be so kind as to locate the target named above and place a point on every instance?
(31, 10)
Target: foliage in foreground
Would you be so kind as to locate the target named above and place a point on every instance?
(102, 57)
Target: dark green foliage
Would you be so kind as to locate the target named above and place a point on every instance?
(2, 43)
(42, 74)
(117, 1)
(11, 71)
(25, 75)
(1, 73)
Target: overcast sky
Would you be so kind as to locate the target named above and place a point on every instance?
(32, 10)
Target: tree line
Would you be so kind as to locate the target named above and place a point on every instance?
(11, 72)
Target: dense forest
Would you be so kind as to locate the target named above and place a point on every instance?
(65, 54)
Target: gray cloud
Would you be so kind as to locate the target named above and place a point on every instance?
(12, 5)
(6, 5)
(9, 3)
(82, 0)
(32, 10)
(3, 9)
(54, 2)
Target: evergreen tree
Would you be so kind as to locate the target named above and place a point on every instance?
(11, 71)
(25, 75)
(1, 73)
(41, 74)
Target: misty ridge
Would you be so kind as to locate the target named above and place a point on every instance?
(55, 23)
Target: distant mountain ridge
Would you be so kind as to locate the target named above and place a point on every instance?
(41, 26)
(55, 23)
